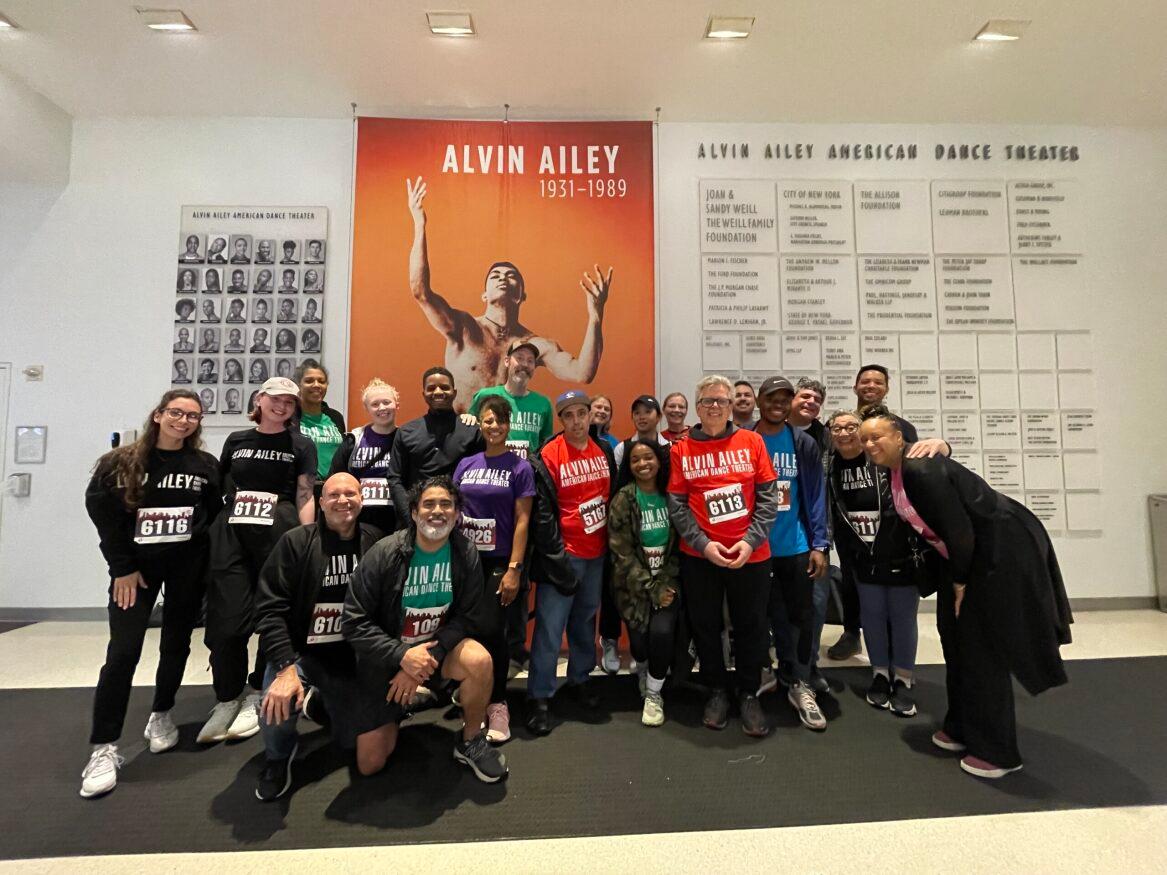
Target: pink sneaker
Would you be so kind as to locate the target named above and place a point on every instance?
(982, 769)
(498, 723)
(944, 741)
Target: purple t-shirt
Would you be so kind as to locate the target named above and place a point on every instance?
(370, 456)
(489, 489)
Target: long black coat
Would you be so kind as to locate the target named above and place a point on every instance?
(998, 548)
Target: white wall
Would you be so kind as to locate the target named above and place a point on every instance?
(1124, 174)
(91, 300)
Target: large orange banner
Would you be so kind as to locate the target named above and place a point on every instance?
(470, 235)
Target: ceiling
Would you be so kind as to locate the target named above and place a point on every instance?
(1080, 62)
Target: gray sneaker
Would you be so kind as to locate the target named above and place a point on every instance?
(610, 661)
(160, 732)
(222, 716)
(802, 698)
(246, 722)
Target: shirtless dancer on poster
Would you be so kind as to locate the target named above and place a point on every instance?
(476, 345)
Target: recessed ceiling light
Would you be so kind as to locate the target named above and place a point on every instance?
(6, 23)
(720, 27)
(450, 23)
(1000, 30)
(169, 20)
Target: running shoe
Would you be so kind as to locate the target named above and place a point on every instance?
(802, 698)
(610, 662)
(217, 725)
(101, 772)
(716, 710)
(654, 709)
(276, 778)
(944, 741)
(246, 722)
(498, 723)
(753, 718)
(769, 681)
(847, 646)
(984, 769)
(902, 704)
(160, 732)
(487, 763)
(817, 681)
(879, 693)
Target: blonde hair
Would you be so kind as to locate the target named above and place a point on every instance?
(378, 383)
(712, 380)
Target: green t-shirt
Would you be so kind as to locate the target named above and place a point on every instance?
(532, 422)
(654, 527)
(322, 431)
(426, 597)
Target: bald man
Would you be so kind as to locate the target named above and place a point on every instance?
(476, 346)
(301, 594)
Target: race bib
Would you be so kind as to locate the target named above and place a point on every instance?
(325, 626)
(483, 534)
(725, 504)
(375, 492)
(594, 514)
(254, 508)
(656, 559)
(519, 448)
(865, 523)
(421, 624)
(163, 525)
(783, 495)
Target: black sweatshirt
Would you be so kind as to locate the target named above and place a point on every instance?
(427, 447)
(174, 479)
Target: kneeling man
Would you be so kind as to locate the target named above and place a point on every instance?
(411, 606)
(302, 588)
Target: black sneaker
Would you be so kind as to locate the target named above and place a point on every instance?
(585, 693)
(539, 716)
(902, 704)
(753, 718)
(276, 778)
(817, 682)
(717, 710)
(846, 647)
(313, 707)
(879, 693)
(485, 761)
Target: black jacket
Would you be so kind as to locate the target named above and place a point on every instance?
(549, 563)
(426, 447)
(373, 612)
(187, 477)
(289, 583)
(896, 557)
(1002, 553)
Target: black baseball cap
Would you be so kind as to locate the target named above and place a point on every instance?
(774, 384)
(648, 401)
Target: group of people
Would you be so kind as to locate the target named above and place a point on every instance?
(386, 567)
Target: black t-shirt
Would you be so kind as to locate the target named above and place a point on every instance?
(857, 483)
(325, 641)
(257, 462)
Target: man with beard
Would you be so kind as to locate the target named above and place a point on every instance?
(433, 444)
(411, 608)
(531, 417)
(476, 346)
(744, 403)
(263, 254)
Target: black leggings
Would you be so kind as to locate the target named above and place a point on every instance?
(184, 573)
(609, 613)
(657, 643)
(502, 624)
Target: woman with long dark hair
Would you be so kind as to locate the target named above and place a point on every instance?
(1001, 608)
(152, 502)
(268, 472)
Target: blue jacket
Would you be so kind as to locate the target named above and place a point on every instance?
(812, 488)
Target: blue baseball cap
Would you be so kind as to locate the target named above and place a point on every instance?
(570, 397)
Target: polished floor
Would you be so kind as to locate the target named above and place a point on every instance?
(1132, 840)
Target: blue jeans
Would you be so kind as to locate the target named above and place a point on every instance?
(895, 606)
(556, 612)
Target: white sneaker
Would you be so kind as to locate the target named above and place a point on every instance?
(654, 710)
(215, 729)
(246, 722)
(101, 772)
(161, 732)
(611, 659)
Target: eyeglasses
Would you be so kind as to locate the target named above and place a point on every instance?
(844, 429)
(710, 403)
(173, 413)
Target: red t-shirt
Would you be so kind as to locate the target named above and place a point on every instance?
(582, 485)
(718, 479)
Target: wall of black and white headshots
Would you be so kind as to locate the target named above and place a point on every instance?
(248, 303)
